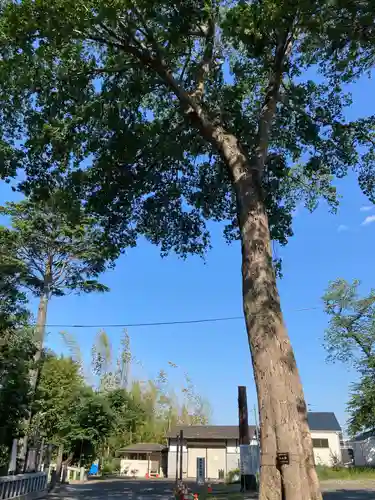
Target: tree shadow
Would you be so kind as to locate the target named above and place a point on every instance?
(349, 495)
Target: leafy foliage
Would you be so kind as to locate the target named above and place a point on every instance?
(351, 333)
(108, 416)
(12, 299)
(53, 255)
(16, 359)
(350, 338)
(106, 97)
(69, 412)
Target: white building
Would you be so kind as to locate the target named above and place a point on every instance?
(219, 445)
(326, 437)
(363, 447)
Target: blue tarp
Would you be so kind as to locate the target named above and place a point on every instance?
(93, 469)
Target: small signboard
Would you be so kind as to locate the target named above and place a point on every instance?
(201, 467)
(249, 459)
(282, 459)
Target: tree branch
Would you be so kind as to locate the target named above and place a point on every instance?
(268, 110)
(205, 64)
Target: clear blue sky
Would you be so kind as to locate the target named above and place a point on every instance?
(146, 288)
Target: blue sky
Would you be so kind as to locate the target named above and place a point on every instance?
(146, 288)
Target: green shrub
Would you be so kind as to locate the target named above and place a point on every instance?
(337, 472)
(231, 476)
(111, 466)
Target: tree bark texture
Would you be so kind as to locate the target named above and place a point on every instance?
(282, 408)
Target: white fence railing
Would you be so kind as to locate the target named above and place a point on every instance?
(22, 485)
(67, 473)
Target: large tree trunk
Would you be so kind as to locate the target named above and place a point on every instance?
(282, 408)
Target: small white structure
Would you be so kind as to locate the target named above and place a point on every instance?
(217, 444)
(143, 460)
(363, 447)
(326, 437)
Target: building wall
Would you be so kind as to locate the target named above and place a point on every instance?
(327, 456)
(172, 455)
(228, 458)
(218, 458)
(233, 455)
(216, 461)
(193, 454)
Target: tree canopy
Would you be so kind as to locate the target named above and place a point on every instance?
(350, 338)
(106, 99)
(50, 250)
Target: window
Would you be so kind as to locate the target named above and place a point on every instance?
(320, 443)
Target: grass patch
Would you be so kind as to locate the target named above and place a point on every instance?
(352, 473)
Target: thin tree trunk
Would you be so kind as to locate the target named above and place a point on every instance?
(34, 374)
(39, 336)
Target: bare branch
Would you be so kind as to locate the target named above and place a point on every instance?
(206, 62)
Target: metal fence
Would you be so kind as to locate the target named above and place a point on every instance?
(23, 485)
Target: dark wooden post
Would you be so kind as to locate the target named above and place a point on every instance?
(248, 481)
(177, 449)
(181, 452)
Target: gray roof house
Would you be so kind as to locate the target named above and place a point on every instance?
(219, 445)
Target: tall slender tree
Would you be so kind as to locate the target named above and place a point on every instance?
(188, 111)
(53, 255)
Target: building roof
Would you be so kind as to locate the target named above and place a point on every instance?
(142, 448)
(209, 431)
(318, 421)
(364, 435)
(323, 421)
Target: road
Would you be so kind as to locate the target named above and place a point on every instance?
(129, 489)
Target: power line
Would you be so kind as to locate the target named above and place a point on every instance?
(164, 323)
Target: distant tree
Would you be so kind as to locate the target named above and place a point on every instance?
(129, 418)
(350, 338)
(361, 405)
(53, 254)
(17, 351)
(67, 411)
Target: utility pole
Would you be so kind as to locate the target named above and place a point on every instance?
(256, 425)
(248, 481)
(181, 452)
(177, 449)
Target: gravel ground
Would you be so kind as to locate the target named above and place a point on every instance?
(122, 489)
(349, 490)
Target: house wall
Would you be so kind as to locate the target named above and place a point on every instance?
(327, 456)
(233, 455)
(139, 468)
(224, 456)
(172, 454)
(227, 457)
(136, 468)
